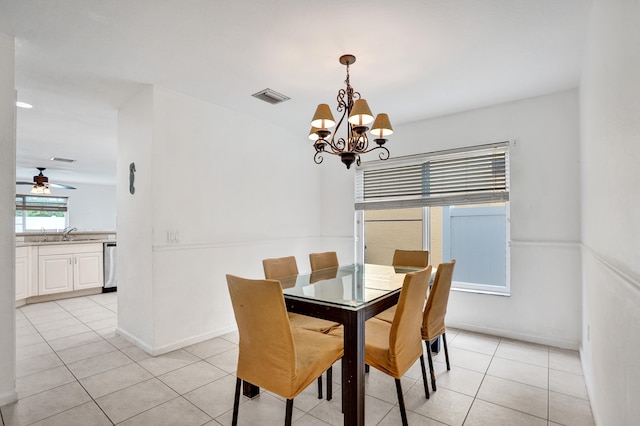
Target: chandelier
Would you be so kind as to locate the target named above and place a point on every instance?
(359, 116)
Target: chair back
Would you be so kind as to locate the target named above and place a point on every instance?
(280, 267)
(405, 340)
(328, 259)
(267, 355)
(417, 258)
(436, 309)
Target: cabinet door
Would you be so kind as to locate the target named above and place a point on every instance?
(55, 274)
(88, 271)
(22, 273)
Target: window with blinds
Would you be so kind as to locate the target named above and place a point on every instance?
(454, 177)
(36, 212)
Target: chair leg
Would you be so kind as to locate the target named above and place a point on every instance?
(320, 387)
(446, 350)
(236, 402)
(424, 377)
(287, 418)
(433, 373)
(403, 412)
(329, 383)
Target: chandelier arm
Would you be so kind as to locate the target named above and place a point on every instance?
(361, 143)
(337, 146)
(384, 155)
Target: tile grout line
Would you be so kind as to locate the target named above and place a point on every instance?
(77, 380)
(71, 372)
(65, 364)
(484, 375)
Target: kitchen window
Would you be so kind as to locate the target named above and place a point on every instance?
(40, 212)
(452, 203)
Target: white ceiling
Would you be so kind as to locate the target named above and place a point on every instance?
(77, 61)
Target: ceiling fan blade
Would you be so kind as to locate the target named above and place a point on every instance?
(61, 186)
(24, 183)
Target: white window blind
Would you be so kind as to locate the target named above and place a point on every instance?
(454, 177)
(41, 203)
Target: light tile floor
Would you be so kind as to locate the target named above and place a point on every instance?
(72, 369)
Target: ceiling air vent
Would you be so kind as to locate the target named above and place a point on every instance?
(271, 96)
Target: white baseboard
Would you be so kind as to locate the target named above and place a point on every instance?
(8, 398)
(192, 340)
(541, 340)
(133, 339)
(159, 350)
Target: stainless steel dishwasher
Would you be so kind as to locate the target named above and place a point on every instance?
(110, 283)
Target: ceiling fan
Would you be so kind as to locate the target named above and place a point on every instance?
(41, 183)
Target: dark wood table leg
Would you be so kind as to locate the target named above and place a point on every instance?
(249, 390)
(353, 368)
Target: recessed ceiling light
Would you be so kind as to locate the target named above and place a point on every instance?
(24, 105)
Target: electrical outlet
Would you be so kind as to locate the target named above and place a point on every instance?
(173, 236)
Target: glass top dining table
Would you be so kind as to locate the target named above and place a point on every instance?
(350, 287)
(349, 295)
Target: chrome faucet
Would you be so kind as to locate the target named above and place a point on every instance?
(66, 232)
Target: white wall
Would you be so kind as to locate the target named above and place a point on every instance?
(544, 305)
(133, 227)
(7, 212)
(92, 207)
(241, 205)
(610, 148)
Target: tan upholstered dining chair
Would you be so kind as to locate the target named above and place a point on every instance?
(285, 269)
(282, 268)
(328, 259)
(435, 311)
(272, 354)
(394, 348)
(413, 258)
(417, 258)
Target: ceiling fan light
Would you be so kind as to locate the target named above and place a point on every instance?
(360, 114)
(381, 126)
(40, 189)
(323, 119)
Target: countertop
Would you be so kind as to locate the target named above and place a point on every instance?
(53, 238)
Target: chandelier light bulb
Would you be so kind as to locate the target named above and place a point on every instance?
(360, 114)
(382, 126)
(323, 119)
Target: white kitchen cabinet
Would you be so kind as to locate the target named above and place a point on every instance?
(69, 267)
(23, 272)
(88, 270)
